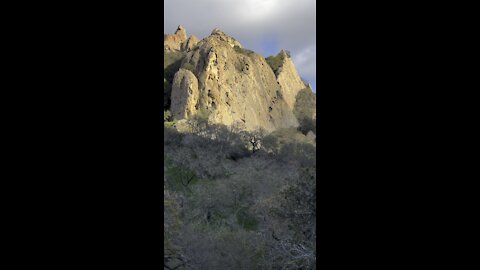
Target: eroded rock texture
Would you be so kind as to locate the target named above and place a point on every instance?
(231, 84)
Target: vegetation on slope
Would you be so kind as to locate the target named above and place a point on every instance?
(243, 51)
(229, 208)
(275, 62)
(305, 106)
(171, 64)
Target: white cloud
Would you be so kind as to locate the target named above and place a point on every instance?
(304, 64)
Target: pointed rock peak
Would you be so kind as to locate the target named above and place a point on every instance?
(217, 31)
(190, 43)
(181, 32)
(193, 37)
(220, 35)
(285, 53)
(180, 28)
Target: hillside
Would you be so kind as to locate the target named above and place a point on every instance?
(229, 208)
(228, 203)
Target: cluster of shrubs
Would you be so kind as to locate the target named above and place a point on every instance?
(243, 51)
(266, 216)
(305, 106)
(275, 62)
(233, 143)
(230, 208)
(170, 71)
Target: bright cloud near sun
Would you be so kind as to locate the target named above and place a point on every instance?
(254, 11)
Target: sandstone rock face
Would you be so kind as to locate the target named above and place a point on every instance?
(289, 80)
(231, 41)
(179, 41)
(189, 44)
(184, 94)
(234, 86)
(181, 33)
(174, 42)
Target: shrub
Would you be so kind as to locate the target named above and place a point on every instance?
(307, 124)
(169, 124)
(169, 72)
(243, 51)
(171, 64)
(275, 62)
(180, 178)
(171, 136)
(167, 92)
(246, 220)
(270, 143)
(167, 116)
(305, 106)
(237, 152)
(173, 254)
(295, 207)
(199, 122)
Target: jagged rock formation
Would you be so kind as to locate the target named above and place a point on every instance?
(231, 84)
(231, 41)
(289, 80)
(189, 44)
(185, 96)
(179, 41)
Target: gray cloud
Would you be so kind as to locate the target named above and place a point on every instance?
(256, 24)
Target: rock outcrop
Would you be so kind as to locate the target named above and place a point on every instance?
(179, 41)
(233, 85)
(184, 94)
(289, 80)
(189, 44)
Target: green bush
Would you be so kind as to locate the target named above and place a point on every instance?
(252, 211)
(180, 178)
(169, 124)
(167, 116)
(170, 71)
(270, 143)
(305, 106)
(246, 220)
(171, 64)
(307, 124)
(243, 51)
(171, 136)
(167, 92)
(275, 62)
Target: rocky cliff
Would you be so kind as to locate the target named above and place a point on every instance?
(179, 40)
(289, 80)
(231, 84)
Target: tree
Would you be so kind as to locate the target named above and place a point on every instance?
(304, 109)
(199, 122)
(167, 116)
(296, 208)
(173, 256)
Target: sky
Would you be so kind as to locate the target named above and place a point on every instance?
(263, 26)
